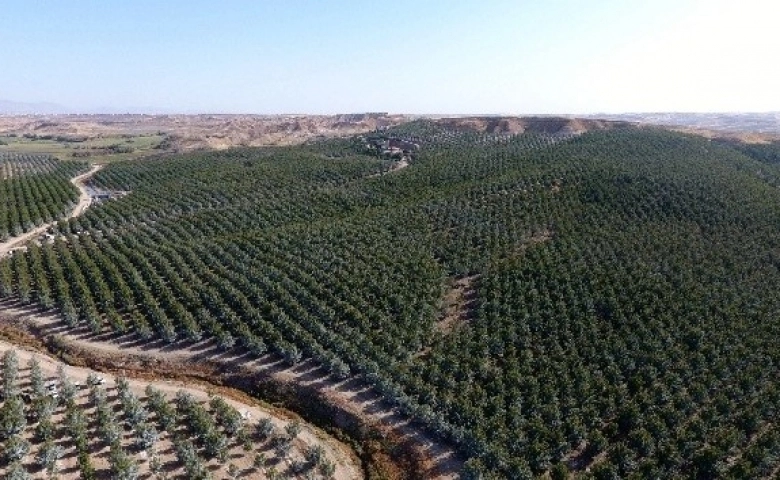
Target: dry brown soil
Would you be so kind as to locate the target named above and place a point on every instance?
(457, 304)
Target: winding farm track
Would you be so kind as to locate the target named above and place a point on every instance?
(79, 182)
(78, 209)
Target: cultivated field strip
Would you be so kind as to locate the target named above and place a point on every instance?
(72, 422)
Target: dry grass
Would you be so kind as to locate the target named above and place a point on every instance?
(457, 304)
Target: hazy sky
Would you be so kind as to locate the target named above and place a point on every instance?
(414, 56)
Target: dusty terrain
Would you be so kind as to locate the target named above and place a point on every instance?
(191, 132)
(180, 133)
(84, 198)
(346, 464)
(458, 304)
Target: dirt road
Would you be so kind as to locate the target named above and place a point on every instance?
(79, 209)
(84, 199)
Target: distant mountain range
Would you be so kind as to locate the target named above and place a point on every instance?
(767, 122)
(10, 107)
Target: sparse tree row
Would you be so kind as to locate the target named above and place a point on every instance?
(44, 421)
(34, 189)
(624, 319)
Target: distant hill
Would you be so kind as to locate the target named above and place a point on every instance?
(530, 124)
(194, 132)
(10, 107)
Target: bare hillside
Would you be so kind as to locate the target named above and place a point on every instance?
(191, 132)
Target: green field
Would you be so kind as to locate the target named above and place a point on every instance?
(620, 315)
(100, 149)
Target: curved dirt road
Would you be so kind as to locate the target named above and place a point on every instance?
(80, 207)
(84, 199)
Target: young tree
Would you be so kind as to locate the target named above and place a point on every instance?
(146, 436)
(293, 429)
(110, 432)
(12, 418)
(44, 429)
(123, 467)
(298, 466)
(47, 456)
(225, 340)
(135, 413)
(188, 456)
(15, 449)
(265, 429)
(70, 314)
(272, 473)
(122, 387)
(16, 471)
(283, 447)
(314, 454)
(10, 373)
(216, 445)
(85, 466)
(226, 416)
(67, 391)
(36, 377)
(327, 468)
